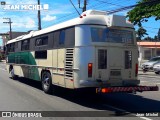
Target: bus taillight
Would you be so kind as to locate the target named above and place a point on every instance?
(136, 70)
(90, 69)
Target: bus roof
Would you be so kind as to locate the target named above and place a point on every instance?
(87, 17)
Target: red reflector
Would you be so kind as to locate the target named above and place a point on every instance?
(80, 17)
(89, 69)
(136, 70)
(84, 15)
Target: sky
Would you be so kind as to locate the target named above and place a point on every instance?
(59, 11)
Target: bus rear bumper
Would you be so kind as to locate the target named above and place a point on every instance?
(99, 83)
(127, 89)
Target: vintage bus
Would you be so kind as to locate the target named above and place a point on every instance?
(94, 50)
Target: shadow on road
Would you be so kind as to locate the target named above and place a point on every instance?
(128, 102)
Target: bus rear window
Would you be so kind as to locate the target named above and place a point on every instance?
(98, 34)
(111, 35)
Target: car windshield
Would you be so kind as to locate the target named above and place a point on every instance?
(155, 59)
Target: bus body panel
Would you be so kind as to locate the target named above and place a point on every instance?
(86, 62)
(115, 73)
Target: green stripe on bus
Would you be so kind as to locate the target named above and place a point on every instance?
(25, 58)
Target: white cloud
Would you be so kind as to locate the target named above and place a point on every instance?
(26, 23)
(30, 23)
(49, 18)
(2, 13)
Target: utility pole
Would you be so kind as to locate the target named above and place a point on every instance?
(85, 5)
(10, 26)
(39, 17)
(84, 8)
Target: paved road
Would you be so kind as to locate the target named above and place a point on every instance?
(25, 95)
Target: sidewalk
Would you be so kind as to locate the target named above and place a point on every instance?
(2, 61)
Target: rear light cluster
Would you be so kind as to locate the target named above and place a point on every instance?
(90, 67)
(82, 16)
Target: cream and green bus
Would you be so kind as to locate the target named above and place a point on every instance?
(94, 50)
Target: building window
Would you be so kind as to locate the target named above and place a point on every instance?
(25, 45)
(147, 54)
(41, 41)
(158, 52)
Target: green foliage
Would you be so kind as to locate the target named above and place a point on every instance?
(141, 32)
(143, 11)
(158, 34)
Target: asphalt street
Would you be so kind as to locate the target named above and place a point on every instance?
(26, 95)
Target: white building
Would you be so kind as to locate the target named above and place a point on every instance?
(147, 50)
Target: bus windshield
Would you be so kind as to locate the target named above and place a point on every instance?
(111, 35)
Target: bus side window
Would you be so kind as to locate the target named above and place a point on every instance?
(56, 39)
(6, 49)
(11, 47)
(41, 41)
(62, 37)
(16, 47)
(70, 37)
(25, 45)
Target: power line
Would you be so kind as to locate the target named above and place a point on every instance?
(150, 27)
(75, 8)
(109, 3)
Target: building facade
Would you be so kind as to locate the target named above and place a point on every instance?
(147, 50)
(5, 38)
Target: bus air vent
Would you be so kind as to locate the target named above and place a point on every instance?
(69, 63)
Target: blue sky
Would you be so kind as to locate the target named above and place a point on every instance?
(62, 10)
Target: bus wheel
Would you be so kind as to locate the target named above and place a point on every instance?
(157, 72)
(46, 82)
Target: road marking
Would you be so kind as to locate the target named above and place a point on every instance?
(151, 76)
(145, 118)
(119, 109)
(144, 81)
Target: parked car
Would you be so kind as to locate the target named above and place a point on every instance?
(149, 64)
(156, 68)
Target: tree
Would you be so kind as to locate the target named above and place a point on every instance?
(156, 38)
(140, 33)
(148, 39)
(143, 11)
(158, 34)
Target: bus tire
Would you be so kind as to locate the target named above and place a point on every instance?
(157, 72)
(46, 80)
